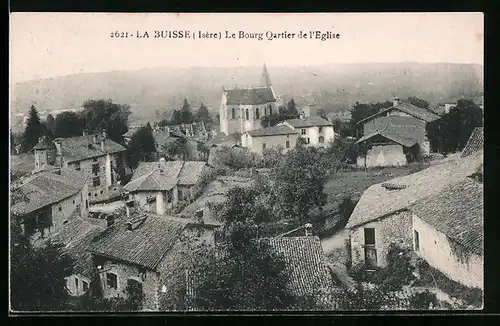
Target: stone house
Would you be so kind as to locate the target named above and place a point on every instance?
(383, 214)
(242, 108)
(387, 147)
(404, 118)
(448, 232)
(161, 186)
(272, 137)
(95, 155)
(76, 236)
(49, 199)
(316, 131)
(151, 252)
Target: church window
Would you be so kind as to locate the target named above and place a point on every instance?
(247, 114)
(257, 115)
(270, 110)
(233, 113)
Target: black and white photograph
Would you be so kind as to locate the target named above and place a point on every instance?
(246, 162)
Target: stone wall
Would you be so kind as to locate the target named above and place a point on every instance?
(387, 155)
(395, 228)
(254, 144)
(73, 288)
(437, 249)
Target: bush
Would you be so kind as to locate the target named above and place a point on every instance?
(423, 300)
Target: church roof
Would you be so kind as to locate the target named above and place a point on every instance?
(250, 96)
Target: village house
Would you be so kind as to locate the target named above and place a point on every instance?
(404, 118)
(271, 137)
(49, 199)
(391, 146)
(160, 186)
(383, 214)
(242, 108)
(316, 131)
(448, 232)
(76, 236)
(96, 155)
(148, 252)
(304, 261)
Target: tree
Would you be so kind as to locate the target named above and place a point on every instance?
(451, 133)
(37, 275)
(50, 124)
(203, 115)
(361, 111)
(142, 146)
(186, 113)
(149, 126)
(33, 131)
(244, 204)
(68, 124)
(300, 180)
(104, 114)
(179, 147)
(284, 113)
(418, 102)
(248, 275)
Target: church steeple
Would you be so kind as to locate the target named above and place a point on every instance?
(264, 78)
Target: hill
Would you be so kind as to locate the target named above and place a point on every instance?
(331, 87)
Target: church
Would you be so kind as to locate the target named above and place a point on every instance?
(243, 108)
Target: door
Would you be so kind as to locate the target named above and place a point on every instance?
(370, 250)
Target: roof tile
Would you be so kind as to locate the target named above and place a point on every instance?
(250, 96)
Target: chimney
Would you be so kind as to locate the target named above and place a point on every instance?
(57, 143)
(94, 139)
(85, 132)
(103, 140)
(104, 135)
(308, 229)
(128, 205)
(395, 101)
(162, 160)
(302, 115)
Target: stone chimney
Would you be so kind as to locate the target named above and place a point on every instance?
(57, 143)
(104, 135)
(103, 141)
(85, 132)
(94, 139)
(308, 229)
(302, 115)
(395, 101)
(128, 205)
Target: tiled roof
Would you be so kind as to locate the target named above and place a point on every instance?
(145, 246)
(76, 236)
(377, 201)
(305, 262)
(406, 127)
(44, 143)
(224, 140)
(309, 122)
(423, 114)
(82, 147)
(249, 96)
(272, 131)
(165, 175)
(391, 134)
(475, 142)
(458, 212)
(46, 188)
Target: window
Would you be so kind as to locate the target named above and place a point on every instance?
(247, 114)
(417, 240)
(233, 113)
(369, 236)
(95, 168)
(257, 114)
(320, 129)
(77, 166)
(112, 280)
(287, 144)
(60, 208)
(270, 110)
(101, 192)
(96, 181)
(321, 139)
(73, 201)
(303, 131)
(87, 204)
(76, 282)
(85, 286)
(308, 140)
(263, 146)
(89, 194)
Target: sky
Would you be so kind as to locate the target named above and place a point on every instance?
(44, 45)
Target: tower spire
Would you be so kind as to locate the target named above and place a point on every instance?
(264, 78)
